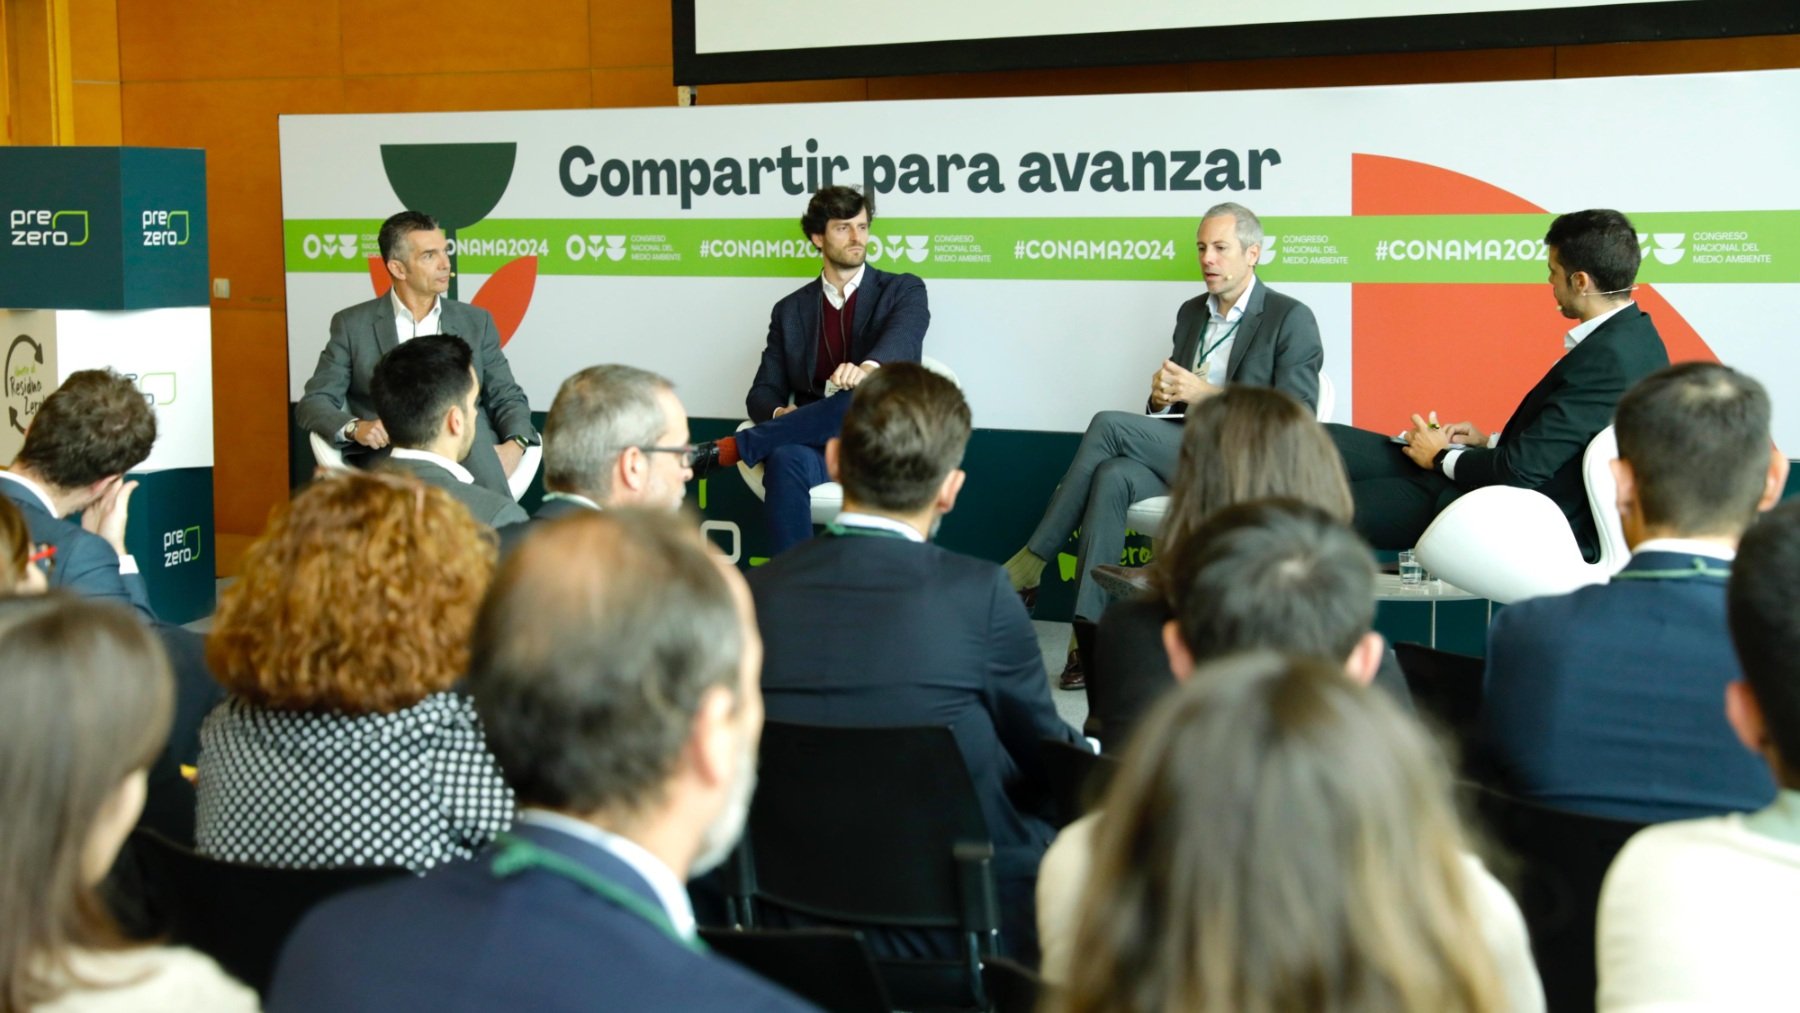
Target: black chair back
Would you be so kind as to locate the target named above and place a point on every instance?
(240, 915)
(830, 968)
(878, 827)
(1078, 778)
(1011, 986)
(1444, 685)
(1563, 857)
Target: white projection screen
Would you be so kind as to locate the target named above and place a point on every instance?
(727, 41)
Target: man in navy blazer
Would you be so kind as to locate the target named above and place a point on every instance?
(1240, 331)
(89, 432)
(824, 338)
(1611, 700)
(872, 625)
(337, 403)
(620, 698)
(1399, 487)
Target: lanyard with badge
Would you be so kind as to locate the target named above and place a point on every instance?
(1701, 568)
(514, 855)
(1224, 336)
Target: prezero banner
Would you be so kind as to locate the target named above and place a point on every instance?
(1056, 235)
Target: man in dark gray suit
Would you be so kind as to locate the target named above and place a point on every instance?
(1239, 332)
(427, 393)
(89, 432)
(338, 405)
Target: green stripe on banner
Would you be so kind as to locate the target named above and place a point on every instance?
(1687, 246)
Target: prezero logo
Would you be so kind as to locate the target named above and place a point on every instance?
(1669, 246)
(182, 545)
(42, 227)
(165, 228)
(316, 246)
(594, 247)
(914, 248)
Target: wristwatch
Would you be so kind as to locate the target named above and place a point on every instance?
(524, 442)
(349, 431)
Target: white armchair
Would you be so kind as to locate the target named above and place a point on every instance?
(331, 458)
(1507, 544)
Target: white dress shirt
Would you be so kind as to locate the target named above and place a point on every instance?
(1687, 547)
(407, 327)
(662, 879)
(1217, 324)
(851, 519)
(409, 454)
(836, 298)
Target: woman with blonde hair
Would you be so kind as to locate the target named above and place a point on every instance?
(1279, 839)
(85, 702)
(342, 741)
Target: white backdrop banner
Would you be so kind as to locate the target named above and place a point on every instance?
(1056, 234)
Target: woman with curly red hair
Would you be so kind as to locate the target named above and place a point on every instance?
(342, 742)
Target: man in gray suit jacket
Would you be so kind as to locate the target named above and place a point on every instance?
(337, 404)
(1239, 332)
(427, 391)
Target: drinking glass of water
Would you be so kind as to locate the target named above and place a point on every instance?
(1412, 572)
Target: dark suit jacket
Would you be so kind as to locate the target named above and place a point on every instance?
(488, 506)
(1131, 672)
(891, 317)
(1276, 343)
(1610, 700)
(461, 939)
(85, 564)
(512, 535)
(876, 631)
(1543, 442)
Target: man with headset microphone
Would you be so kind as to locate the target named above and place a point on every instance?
(1400, 483)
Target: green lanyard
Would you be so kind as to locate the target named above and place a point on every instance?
(837, 530)
(514, 855)
(1229, 331)
(1700, 569)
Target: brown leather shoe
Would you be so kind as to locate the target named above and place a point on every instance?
(1072, 676)
(1028, 595)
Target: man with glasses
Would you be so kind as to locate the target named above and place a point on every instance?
(616, 436)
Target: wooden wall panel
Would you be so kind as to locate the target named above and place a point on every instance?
(250, 414)
(94, 41)
(633, 86)
(853, 89)
(1686, 56)
(631, 33)
(466, 36)
(552, 89)
(235, 121)
(193, 40)
(97, 113)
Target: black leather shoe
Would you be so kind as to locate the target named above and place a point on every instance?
(706, 458)
(1072, 676)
